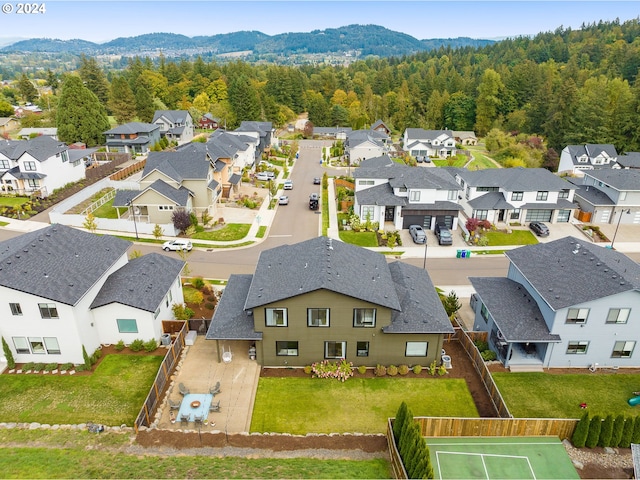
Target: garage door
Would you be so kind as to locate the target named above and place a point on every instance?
(539, 215)
(423, 220)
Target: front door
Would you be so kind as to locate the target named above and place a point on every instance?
(389, 214)
(501, 216)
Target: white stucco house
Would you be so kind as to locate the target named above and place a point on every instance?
(576, 159)
(175, 125)
(62, 289)
(420, 143)
(364, 144)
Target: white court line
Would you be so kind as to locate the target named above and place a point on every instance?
(492, 444)
(484, 465)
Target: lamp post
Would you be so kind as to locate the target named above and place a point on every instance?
(424, 264)
(135, 225)
(270, 194)
(618, 225)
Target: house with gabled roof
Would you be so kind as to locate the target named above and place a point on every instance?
(576, 159)
(380, 126)
(424, 144)
(175, 125)
(64, 289)
(265, 130)
(465, 137)
(364, 144)
(324, 299)
(132, 137)
(37, 166)
(401, 195)
(209, 122)
(505, 195)
(564, 303)
(610, 196)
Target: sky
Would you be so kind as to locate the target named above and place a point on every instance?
(100, 21)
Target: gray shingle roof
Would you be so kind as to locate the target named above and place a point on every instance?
(133, 127)
(142, 283)
(513, 310)
(17, 173)
(174, 116)
(190, 163)
(41, 148)
(58, 262)
(630, 160)
(421, 310)
(517, 179)
(440, 205)
(253, 126)
(379, 195)
(622, 180)
(321, 263)
(235, 179)
(560, 203)
(375, 162)
(123, 197)
(230, 321)
(592, 196)
(564, 278)
(490, 201)
(400, 176)
(427, 135)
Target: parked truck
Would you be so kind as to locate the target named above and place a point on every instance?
(313, 201)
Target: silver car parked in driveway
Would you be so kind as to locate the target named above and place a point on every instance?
(417, 234)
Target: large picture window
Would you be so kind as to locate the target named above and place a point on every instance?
(623, 349)
(577, 348)
(577, 315)
(21, 344)
(126, 325)
(317, 317)
(416, 349)
(618, 315)
(48, 310)
(335, 349)
(275, 317)
(287, 349)
(481, 214)
(51, 344)
(37, 345)
(364, 317)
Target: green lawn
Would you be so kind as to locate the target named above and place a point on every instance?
(301, 405)
(112, 395)
(6, 201)
(229, 233)
(262, 230)
(559, 396)
(481, 160)
(516, 237)
(458, 161)
(362, 239)
(107, 211)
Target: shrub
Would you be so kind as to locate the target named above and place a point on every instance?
(307, 369)
(442, 370)
(481, 345)
(595, 426)
(136, 345)
(392, 370)
(403, 369)
(81, 367)
(211, 298)
(417, 369)
(181, 311)
(606, 432)
(380, 371)
(582, 430)
(85, 356)
(635, 438)
(433, 367)
(362, 369)
(11, 363)
(341, 370)
(198, 283)
(96, 356)
(616, 436)
(488, 355)
(627, 433)
(50, 366)
(150, 345)
(119, 346)
(38, 367)
(209, 306)
(65, 367)
(28, 367)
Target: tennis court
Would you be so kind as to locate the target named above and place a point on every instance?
(491, 458)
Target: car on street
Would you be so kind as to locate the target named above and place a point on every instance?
(316, 180)
(417, 233)
(443, 234)
(314, 201)
(283, 200)
(288, 185)
(176, 245)
(539, 228)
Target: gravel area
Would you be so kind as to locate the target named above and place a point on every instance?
(600, 462)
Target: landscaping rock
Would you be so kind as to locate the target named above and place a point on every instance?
(34, 426)
(578, 465)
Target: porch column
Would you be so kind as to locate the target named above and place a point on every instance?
(506, 360)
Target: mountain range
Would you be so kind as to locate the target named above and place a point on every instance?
(362, 39)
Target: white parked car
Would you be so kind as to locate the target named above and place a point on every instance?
(283, 200)
(288, 185)
(262, 176)
(177, 245)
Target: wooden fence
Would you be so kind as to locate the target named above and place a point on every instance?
(161, 380)
(97, 172)
(397, 467)
(127, 171)
(496, 427)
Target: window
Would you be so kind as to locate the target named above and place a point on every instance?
(21, 344)
(52, 346)
(577, 348)
(48, 310)
(32, 183)
(364, 317)
(622, 196)
(4, 164)
(275, 317)
(484, 313)
(169, 298)
(618, 315)
(75, 163)
(480, 214)
(402, 189)
(362, 349)
(16, 309)
(365, 182)
(335, 349)
(487, 189)
(65, 156)
(563, 216)
(563, 194)
(414, 195)
(317, 317)
(165, 207)
(367, 212)
(542, 195)
(287, 349)
(156, 313)
(453, 195)
(515, 214)
(623, 349)
(126, 325)
(416, 349)
(37, 345)
(517, 195)
(577, 315)
(30, 166)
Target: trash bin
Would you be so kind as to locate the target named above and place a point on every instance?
(464, 254)
(468, 253)
(165, 339)
(446, 361)
(458, 253)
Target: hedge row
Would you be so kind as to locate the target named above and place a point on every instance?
(613, 432)
(412, 447)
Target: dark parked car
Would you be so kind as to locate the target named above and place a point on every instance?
(314, 200)
(539, 228)
(316, 180)
(417, 233)
(444, 234)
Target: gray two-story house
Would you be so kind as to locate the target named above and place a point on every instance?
(324, 299)
(563, 304)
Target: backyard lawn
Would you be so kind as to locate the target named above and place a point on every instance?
(559, 396)
(107, 211)
(359, 405)
(112, 395)
(6, 201)
(228, 233)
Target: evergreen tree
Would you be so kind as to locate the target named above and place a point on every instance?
(582, 430)
(121, 101)
(627, 433)
(606, 432)
(595, 426)
(8, 354)
(635, 437)
(398, 422)
(488, 101)
(26, 89)
(144, 105)
(618, 426)
(94, 78)
(243, 98)
(52, 81)
(80, 116)
(451, 303)
(87, 360)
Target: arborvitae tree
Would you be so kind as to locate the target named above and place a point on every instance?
(94, 78)
(606, 432)
(618, 426)
(398, 422)
(80, 116)
(144, 105)
(11, 363)
(635, 438)
(122, 101)
(595, 426)
(451, 303)
(26, 88)
(627, 433)
(87, 360)
(415, 452)
(582, 430)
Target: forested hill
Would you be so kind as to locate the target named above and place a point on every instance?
(364, 39)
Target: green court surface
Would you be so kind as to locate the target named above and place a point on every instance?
(500, 458)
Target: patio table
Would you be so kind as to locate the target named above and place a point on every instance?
(195, 404)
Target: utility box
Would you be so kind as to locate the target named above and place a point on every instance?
(190, 338)
(165, 339)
